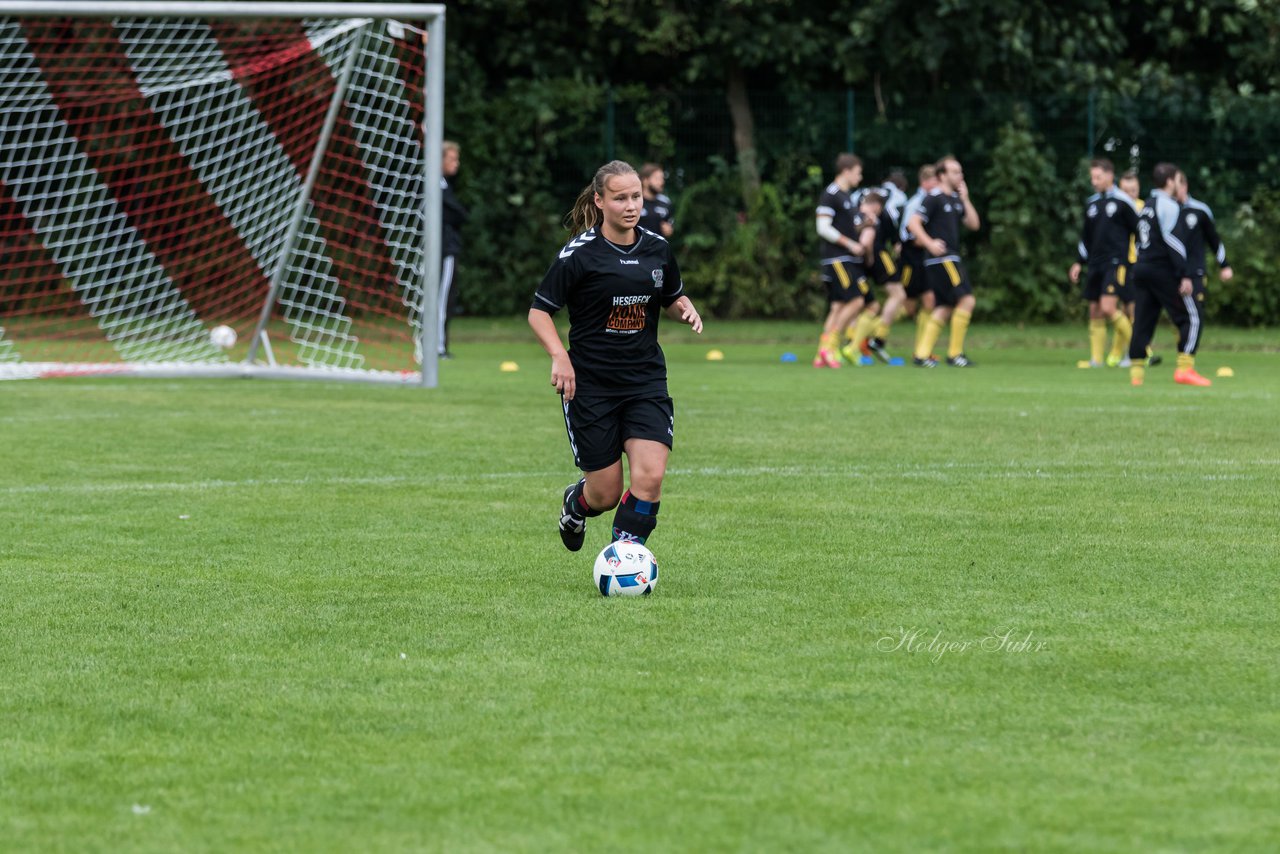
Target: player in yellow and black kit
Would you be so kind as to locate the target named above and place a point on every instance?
(936, 227)
(839, 225)
(1110, 220)
(873, 324)
(919, 299)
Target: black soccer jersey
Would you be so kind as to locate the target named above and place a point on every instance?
(886, 232)
(614, 295)
(655, 212)
(941, 214)
(1158, 245)
(452, 217)
(839, 205)
(1110, 219)
(1196, 230)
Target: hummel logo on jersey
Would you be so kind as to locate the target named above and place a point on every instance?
(629, 261)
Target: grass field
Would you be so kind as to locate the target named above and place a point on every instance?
(1024, 607)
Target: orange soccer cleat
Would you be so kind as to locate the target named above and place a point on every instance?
(1188, 376)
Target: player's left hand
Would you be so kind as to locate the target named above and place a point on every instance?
(1184, 288)
(1225, 274)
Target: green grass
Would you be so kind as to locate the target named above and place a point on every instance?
(328, 617)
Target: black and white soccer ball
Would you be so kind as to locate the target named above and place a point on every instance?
(625, 568)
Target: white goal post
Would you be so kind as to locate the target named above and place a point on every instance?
(168, 169)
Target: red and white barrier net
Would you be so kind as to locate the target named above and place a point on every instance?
(154, 184)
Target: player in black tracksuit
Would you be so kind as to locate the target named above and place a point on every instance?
(1198, 232)
(1162, 279)
(614, 278)
(453, 217)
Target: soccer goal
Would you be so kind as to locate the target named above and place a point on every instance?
(170, 169)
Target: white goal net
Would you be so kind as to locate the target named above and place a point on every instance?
(163, 177)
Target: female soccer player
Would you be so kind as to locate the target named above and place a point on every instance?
(612, 380)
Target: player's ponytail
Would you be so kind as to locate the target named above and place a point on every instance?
(585, 213)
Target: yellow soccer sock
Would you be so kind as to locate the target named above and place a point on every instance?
(1186, 361)
(930, 337)
(1097, 339)
(922, 324)
(959, 326)
(1124, 332)
(862, 329)
(1137, 373)
(882, 330)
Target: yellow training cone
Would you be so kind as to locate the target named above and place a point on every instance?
(715, 356)
(508, 367)
(1226, 372)
(1083, 363)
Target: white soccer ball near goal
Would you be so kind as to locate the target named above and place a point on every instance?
(625, 568)
(222, 336)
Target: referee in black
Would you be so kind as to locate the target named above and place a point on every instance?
(1162, 279)
(615, 279)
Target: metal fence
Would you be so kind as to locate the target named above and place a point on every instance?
(1226, 143)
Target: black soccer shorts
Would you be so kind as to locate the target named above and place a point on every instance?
(845, 281)
(914, 279)
(598, 426)
(1108, 281)
(885, 270)
(948, 280)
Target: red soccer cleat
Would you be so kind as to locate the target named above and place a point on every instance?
(826, 359)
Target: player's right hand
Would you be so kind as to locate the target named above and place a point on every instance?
(1074, 273)
(562, 376)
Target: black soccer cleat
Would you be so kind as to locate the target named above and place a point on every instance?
(1153, 360)
(877, 347)
(961, 361)
(573, 526)
(930, 362)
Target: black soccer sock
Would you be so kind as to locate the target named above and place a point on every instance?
(577, 502)
(635, 519)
